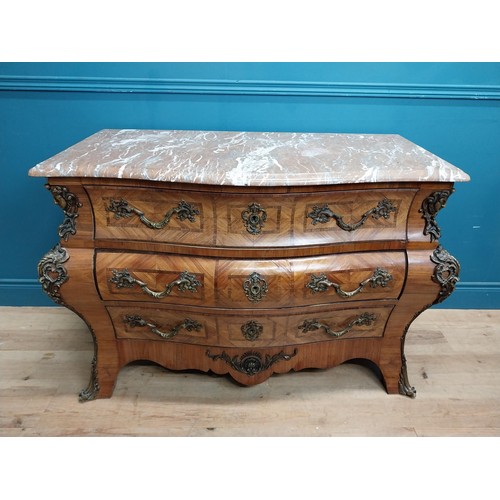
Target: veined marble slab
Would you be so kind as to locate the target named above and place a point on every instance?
(249, 158)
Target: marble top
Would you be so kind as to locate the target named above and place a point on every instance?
(249, 158)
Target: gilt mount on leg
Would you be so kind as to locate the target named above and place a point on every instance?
(91, 391)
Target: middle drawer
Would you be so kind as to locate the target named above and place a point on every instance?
(214, 282)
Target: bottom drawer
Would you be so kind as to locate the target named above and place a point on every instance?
(244, 328)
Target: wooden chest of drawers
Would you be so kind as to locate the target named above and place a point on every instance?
(247, 253)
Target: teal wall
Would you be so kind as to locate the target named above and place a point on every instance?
(451, 109)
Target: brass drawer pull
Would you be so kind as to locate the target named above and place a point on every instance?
(251, 362)
(122, 208)
(185, 283)
(365, 319)
(187, 324)
(254, 218)
(324, 214)
(321, 283)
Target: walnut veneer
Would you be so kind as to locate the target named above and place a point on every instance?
(246, 280)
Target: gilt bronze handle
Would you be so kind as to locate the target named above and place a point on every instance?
(365, 319)
(321, 283)
(251, 363)
(186, 282)
(187, 324)
(323, 214)
(122, 208)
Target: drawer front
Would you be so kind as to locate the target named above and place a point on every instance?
(299, 327)
(315, 280)
(244, 329)
(249, 220)
(255, 220)
(163, 278)
(141, 323)
(349, 216)
(254, 284)
(157, 215)
(312, 219)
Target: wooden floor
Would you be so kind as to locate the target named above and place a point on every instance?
(453, 361)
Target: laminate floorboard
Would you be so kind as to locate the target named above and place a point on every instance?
(453, 361)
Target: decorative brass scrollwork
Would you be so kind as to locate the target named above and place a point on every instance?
(251, 362)
(254, 218)
(323, 214)
(255, 287)
(321, 283)
(446, 272)
(251, 330)
(69, 204)
(430, 207)
(52, 274)
(92, 390)
(122, 208)
(186, 282)
(187, 324)
(365, 319)
(404, 386)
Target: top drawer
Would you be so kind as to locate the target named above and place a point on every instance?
(152, 215)
(249, 219)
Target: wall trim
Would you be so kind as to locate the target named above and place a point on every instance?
(246, 87)
(473, 295)
(22, 292)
